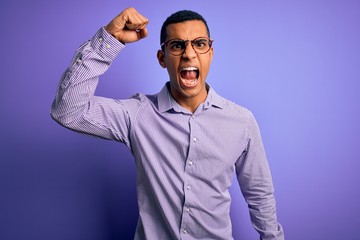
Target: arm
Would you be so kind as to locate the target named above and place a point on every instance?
(254, 177)
(75, 105)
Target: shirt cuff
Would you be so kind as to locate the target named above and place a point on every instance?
(106, 44)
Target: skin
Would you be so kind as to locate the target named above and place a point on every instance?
(190, 97)
(130, 26)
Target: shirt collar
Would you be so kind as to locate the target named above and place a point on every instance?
(166, 102)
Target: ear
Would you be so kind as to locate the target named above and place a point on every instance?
(160, 57)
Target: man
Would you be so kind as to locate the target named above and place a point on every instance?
(187, 141)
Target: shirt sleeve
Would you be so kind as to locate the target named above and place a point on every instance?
(75, 105)
(254, 177)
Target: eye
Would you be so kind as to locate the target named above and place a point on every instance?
(201, 43)
(176, 45)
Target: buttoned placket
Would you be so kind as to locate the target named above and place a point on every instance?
(189, 168)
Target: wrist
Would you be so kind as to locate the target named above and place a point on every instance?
(111, 31)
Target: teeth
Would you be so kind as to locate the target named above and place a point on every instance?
(189, 69)
(191, 82)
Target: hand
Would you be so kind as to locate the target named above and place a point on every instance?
(129, 26)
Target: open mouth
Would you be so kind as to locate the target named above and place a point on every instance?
(189, 76)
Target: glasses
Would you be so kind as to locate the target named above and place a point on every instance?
(177, 46)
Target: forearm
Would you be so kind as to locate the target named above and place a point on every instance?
(75, 93)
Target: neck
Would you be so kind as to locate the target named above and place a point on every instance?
(190, 103)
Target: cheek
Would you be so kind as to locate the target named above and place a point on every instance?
(172, 73)
(206, 67)
(206, 62)
(171, 67)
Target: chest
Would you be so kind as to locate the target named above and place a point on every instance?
(212, 141)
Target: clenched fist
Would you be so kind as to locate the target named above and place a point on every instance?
(129, 26)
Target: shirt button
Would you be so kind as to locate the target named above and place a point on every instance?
(185, 231)
(78, 61)
(187, 209)
(108, 46)
(190, 163)
(188, 187)
(101, 39)
(194, 139)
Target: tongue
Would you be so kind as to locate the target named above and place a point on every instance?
(188, 74)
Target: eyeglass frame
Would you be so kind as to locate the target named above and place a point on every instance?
(164, 44)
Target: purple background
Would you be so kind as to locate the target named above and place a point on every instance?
(296, 65)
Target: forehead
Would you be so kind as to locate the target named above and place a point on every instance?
(186, 30)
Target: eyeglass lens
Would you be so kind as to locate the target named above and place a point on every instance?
(178, 46)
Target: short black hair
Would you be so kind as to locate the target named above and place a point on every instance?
(178, 17)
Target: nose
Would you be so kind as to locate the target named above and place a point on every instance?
(189, 51)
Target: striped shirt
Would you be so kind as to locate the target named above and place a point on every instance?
(185, 161)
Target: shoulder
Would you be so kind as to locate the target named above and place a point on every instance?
(235, 112)
(141, 101)
(144, 98)
(243, 116)
(234, 108)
